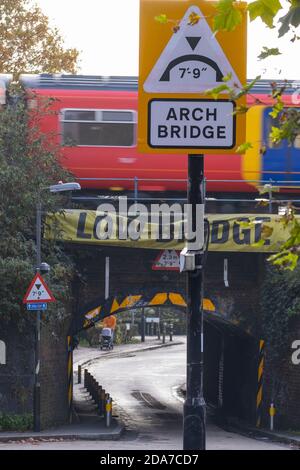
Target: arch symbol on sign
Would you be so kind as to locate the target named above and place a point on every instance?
(177, 70)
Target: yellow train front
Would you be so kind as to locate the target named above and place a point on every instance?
(266, 162)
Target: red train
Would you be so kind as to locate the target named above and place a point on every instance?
(96, 125)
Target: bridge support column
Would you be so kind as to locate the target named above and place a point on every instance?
(194, 413)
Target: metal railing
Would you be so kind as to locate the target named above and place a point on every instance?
(270, 187)
(102, 399)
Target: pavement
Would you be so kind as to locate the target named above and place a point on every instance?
(285, 437)
(87, 425)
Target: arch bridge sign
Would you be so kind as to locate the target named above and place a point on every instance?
(178, 65)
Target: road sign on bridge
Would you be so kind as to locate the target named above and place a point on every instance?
(167, 260)
(177, 67)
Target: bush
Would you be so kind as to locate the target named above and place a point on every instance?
(16, 422)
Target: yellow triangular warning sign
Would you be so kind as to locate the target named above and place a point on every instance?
(192, 61)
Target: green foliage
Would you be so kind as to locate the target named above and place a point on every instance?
(264, 9)
(277, 108)
(28, 163)
(243, 148)
(161, 18)
(289, 125)
(16, 422)
(292, 18)
(214, 92)
(267, 52)
(228, 17)
(280, 302)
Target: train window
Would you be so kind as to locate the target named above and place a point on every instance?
(101, 128)
(297, 142)
(79, 115)
(121, 116)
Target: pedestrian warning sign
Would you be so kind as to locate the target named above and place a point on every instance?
(192, 61)
(178, 67)
(38, 291)
(167, 260)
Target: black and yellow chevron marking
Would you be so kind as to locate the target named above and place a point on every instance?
(116, 305)
(260, 377)
(70, 376)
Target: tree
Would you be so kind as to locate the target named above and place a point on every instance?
(28, 163)
(27, 42)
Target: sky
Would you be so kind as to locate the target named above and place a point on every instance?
(106, 32)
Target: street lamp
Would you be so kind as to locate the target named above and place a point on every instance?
(43, 267)
(61, 187)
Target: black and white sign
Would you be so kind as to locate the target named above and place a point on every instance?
(204, 124)
(192, 61)
(152, 320)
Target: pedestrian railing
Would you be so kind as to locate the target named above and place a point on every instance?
(102, 399)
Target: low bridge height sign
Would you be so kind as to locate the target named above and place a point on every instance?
(180, 60)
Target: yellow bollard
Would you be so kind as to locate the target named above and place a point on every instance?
(272, 412)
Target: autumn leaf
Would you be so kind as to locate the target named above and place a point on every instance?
(266, 231)
(228, 16)
(240, 110)
(214, 92)
(161, 19)
(265, 9)
(28, 44)
(285, 259)
(194, 19)
(258, 244)
(227, 77)
(244, 147)
(277, 108)
(276, 134)
(266, 52)
(244, 224)
(262, 202)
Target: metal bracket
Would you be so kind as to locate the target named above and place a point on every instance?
(188, 260)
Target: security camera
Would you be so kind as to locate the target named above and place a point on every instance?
(44, 268)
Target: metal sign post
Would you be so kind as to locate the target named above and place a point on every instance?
(194, 407)
(37, 297)
(178, 115)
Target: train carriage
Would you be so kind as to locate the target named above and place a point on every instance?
(95, 125)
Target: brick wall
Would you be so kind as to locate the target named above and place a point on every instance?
(282, 384)
(16, 376)
(54, 381)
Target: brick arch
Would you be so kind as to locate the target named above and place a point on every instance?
(101, 308)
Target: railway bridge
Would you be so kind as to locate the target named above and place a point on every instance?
(120, 275)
